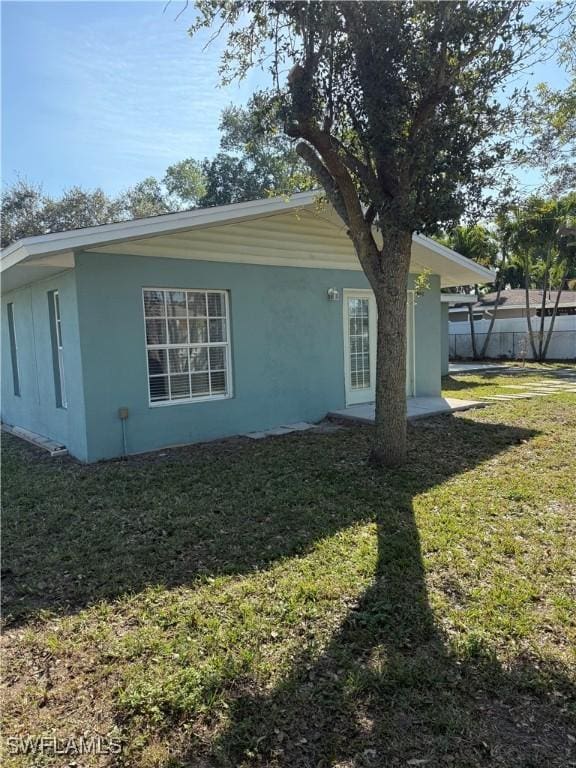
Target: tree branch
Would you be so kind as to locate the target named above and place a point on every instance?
(335, 178)
(310, 157)
(363, 172)
(370, 214)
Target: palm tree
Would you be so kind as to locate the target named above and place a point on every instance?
(502, 235)
(566, 235)
(545, 258)
(479, 244)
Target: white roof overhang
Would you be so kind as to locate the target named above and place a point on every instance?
(42, 256)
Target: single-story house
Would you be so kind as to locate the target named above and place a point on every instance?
(509, 337)
(512, 305)
(201, 324)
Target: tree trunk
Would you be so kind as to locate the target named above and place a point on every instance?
(391, 290)
(528, 318)
(499, 286)
(492, 321)
(543, 306)
(472, 331)
(555, 312)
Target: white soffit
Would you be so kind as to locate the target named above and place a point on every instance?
(276, 231)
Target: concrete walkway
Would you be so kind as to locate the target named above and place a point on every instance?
(569, 371)
(539, 388)
(418, 408)
(472, 367)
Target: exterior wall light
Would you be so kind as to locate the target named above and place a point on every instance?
(333, 294)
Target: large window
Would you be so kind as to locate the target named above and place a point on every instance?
(13, 349)
(187, 341)
(57, 348)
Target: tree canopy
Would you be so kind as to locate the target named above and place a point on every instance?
(404, 91)
(533, 245)
(27, 211)
(475, 241)
(255, 160)
(535, 252)
(549, 125)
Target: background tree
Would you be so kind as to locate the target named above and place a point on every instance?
(475, 241)
(27, 211)
(543, 256)
(478, 243)
(256, 134)
(230, 179)
(80, 208)
(185, 183)
(549, 125)
(147, 198)
(22, 207)
(394, 109)
(256, 160)
(531, 253)
(567, 256)
(502, 234)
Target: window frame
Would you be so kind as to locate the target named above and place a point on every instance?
(227, 346)
(13, 340)
(57, 349)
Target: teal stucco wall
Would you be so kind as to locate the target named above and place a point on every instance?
(428, 341)
(35, 408)
(286, 343)
(287, 351)
(445, 309)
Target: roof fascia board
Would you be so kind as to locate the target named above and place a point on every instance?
(106, 234)
(488, 275)
(13, 255)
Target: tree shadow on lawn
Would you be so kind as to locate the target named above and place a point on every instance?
(75, 535)
(391, 689)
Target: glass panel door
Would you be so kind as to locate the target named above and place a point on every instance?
(359, 343)
(360, 346)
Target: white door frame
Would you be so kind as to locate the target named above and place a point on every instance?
(355, 397)
(410, 344)
(367, 395)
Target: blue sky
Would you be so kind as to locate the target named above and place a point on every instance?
(107, 93)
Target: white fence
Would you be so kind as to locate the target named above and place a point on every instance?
(513, 345)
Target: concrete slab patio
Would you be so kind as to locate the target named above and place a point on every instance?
(418, 408)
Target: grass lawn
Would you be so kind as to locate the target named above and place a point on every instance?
(281, 603)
